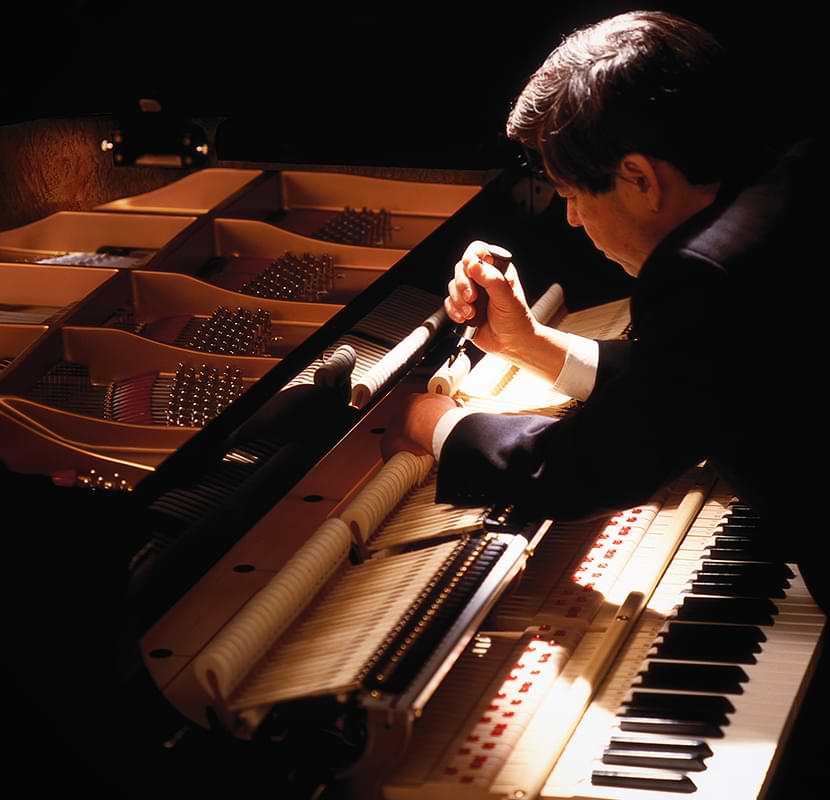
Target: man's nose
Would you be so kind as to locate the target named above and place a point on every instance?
(572, 214)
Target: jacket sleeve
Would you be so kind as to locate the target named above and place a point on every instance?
(614, 360)
(649, 418)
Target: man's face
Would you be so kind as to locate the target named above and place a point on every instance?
(613, 221)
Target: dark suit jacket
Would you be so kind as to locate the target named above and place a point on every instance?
(712, 371)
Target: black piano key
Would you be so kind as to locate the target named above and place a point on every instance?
(747, 529)
(740, 542)
(669, 727)
(743, 515)
(750, 524)
(735, 644)
(656, 780)
(763, 549)
(742, 610)
(774, 581)
(748, 538)
(697, 707)
(696, 747)
(733, 586)
(723, 679)
(737, 554)
(742, 508)
(770, 570)
(655, 760)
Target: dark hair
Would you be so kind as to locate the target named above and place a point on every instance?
(642, 82)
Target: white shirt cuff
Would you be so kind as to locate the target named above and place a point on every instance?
(444, 428)
(579, 372)
(577, 379)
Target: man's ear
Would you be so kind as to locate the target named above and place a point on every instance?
(639, 171)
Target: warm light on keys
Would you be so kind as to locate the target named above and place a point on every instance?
(486, 748)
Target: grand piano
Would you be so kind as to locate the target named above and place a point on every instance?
(161, 370)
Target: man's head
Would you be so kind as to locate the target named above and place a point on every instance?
(635, 119)
(642, 82)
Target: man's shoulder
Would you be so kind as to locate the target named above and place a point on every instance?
(755, 217)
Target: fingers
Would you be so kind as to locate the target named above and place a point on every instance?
(463, 289)
(460, 291)
(460, 296)
(456, 314)
(498, 287)
(475, 253)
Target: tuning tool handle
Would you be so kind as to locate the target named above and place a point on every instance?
(501, 261)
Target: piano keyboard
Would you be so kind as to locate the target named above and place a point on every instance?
(691, 722)
(701, 701)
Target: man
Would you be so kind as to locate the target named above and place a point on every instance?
(639, 126)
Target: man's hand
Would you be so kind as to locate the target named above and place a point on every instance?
(412, 430)
(510, 325)
(511, 329)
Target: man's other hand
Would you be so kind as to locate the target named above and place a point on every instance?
(412, 430)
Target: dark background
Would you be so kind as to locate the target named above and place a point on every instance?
(423, 88)
(408, 84)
